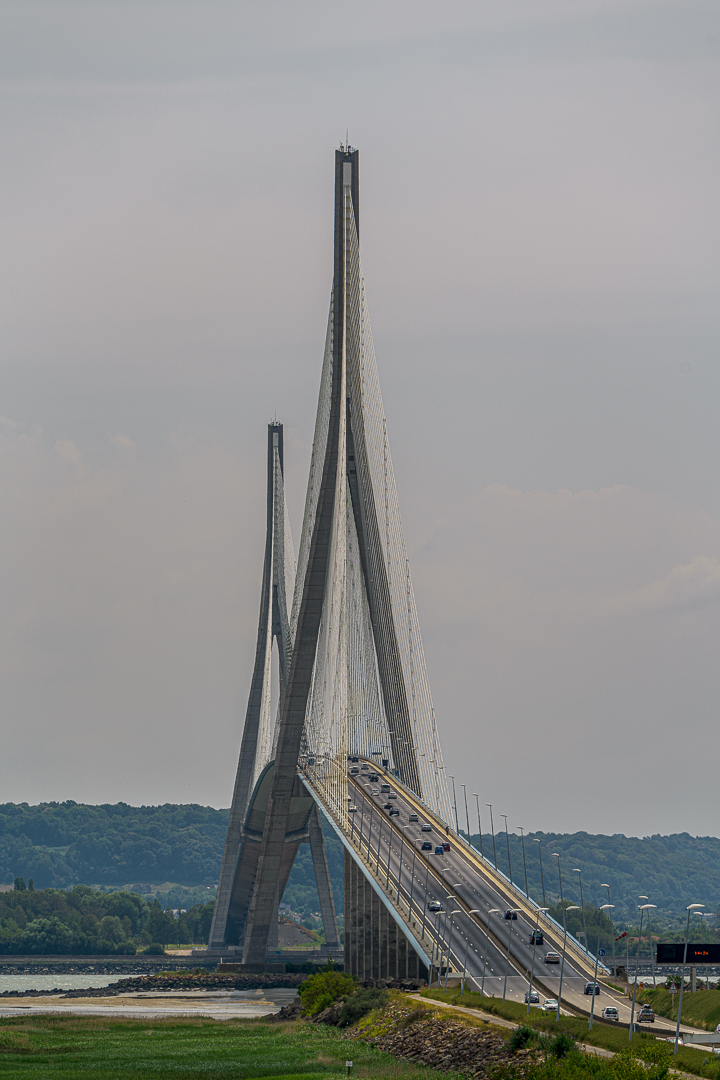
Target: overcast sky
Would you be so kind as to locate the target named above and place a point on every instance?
(540, 234)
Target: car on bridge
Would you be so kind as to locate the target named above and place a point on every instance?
(426, 828)
(549, 1005)
(375, 791)
(387, 806)
(610, 1013)
(373, 778)
(392, 795)
(354, 770)
(536, 937)
(426, 846)
(413, 817)
(384, 788)
(533, 998)
(591, 988)
(552, 957)
(393, 812)
(511, 913)
(364, 766)
(439, 850)
(434, 905)
(352, 809)
(646, 1015)
(446, 846)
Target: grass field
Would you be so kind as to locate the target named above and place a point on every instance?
(604, 1034)
(701, 1009)
(39, 1048)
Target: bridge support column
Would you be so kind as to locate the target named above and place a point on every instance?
(375, 946)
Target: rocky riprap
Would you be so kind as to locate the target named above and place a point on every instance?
(420, 1035)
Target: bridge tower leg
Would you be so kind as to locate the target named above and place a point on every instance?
(322, 878)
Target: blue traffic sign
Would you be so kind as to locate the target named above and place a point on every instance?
(601, 952)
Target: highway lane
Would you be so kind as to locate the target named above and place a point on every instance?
(456, 874)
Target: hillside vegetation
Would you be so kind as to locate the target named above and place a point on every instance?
(84, 921)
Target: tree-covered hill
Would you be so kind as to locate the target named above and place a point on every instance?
(63, 844)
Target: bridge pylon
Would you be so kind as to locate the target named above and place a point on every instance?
(356, 681)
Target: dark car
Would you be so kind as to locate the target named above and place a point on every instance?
(426, 846)
(510, 914)
(393, 812)
(373, 778)
(646, 1015)
(354, 760)
(438, 849)
(388, 806)
(434, 905)
(446, 846)
(591, 988)
(533, 998)
(536, 937)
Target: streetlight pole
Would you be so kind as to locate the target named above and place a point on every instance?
(604, 885)
(532, 968)
(467, 816)
(427, 871)
(522, 840)
(507, 954)
(542, 879)
(690, 908)
(492, 911)
(471, 912)
(643, 909)
(457, 827)
(457, 911)
(577, 870)
(477, 803)
(412, 876)
(597, 955)
(507, 839)
(492, 830)
(556, 855)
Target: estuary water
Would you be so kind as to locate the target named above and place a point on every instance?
(58, 982)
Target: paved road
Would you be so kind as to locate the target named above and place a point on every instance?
(456, 879)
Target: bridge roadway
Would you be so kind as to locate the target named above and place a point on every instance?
(462, 879)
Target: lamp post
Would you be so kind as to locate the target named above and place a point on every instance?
(542, 879)
(507, 954)
(597, 955)
(427, 871)
(643, 909)
(412, 876)
(380, 825)
(471, 912)
(492, 911)
(507, 840)
(477, 803)
(532, 968)
(571, 907)
(457, 827)
(577, 870)
(604, 885)
(652, 965)
(492, 830)
(456, 911)
(467, 816)
(441, 952)
(522, 840)
(690, 908)
(556, 855)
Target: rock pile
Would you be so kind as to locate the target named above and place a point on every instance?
(422, 1036)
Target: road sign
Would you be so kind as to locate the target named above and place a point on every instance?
(672, 953)
(601, 952)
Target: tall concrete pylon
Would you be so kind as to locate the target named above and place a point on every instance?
(357, 681)
(255, 764)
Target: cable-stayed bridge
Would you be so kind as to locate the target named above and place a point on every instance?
(355, 714)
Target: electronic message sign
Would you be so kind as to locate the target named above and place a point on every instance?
(672, 953)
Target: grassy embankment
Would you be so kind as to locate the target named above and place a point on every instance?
(606, 1035)
(39, 1047)
(701, 1009)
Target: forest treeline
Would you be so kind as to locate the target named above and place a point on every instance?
(64, 844)
(83, 921)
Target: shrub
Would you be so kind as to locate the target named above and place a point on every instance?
(360, 1003)
(521, 1037)
(156, 949)
(319, 991)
